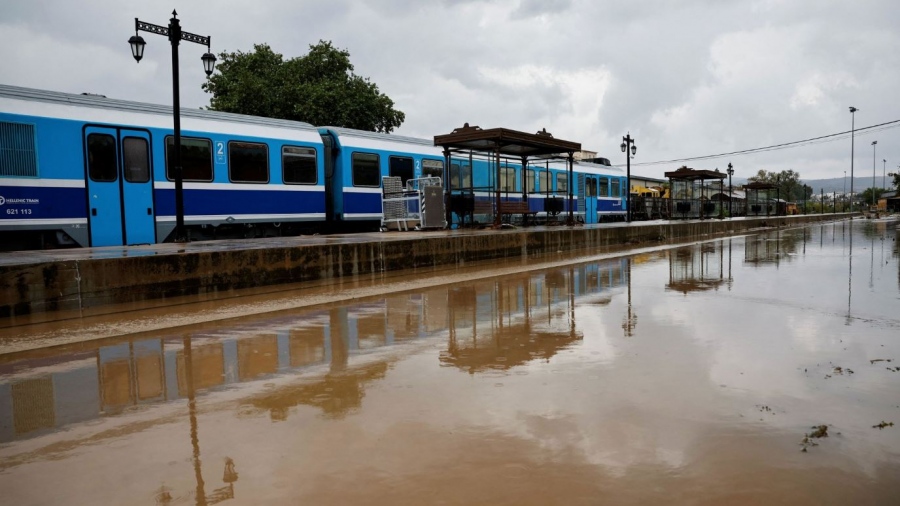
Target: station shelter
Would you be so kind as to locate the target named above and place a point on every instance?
(492, 151)
(692, 193)
(760, 201)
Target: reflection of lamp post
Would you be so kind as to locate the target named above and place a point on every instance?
(173, 31)
(630, 319)
(852, 131)
(629, 149)
(230, 475)
(730, 172)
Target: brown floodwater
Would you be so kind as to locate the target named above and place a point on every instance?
(700, 374)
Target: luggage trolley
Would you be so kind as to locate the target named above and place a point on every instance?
(420, 205)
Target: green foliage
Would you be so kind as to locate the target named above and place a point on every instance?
(319, 88)
(788, 182)
(866, 196)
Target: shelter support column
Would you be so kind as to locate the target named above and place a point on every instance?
(570, 184)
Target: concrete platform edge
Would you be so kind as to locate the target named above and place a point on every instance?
(68, 284)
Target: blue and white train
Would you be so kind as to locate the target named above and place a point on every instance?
(85, 170)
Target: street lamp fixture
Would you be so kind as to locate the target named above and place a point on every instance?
(628, 146)
(852, 131)
(730, 171)
(137, 47)
(175, 35)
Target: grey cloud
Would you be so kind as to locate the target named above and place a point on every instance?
(532, 8)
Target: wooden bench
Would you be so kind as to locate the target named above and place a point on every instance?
(509, 208)
(483, 207)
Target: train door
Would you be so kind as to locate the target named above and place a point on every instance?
(330, 196)
(120, 186)
(590, 199)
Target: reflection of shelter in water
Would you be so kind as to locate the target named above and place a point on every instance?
(506, 348)
(509, 322)
(770, 248)
(698, 268)
(335, 394)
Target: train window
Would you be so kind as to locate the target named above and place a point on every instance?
(365, 169)
(562, 182)
(196, 159)
(616, 189)
(460, 176)
(433, 168)
(507, 179)
(530, 183)
(401, 167)
(18, 156)
(299, 165)
(137, 159)
(248, 162)
(590, 187)
(604, 187)
(102, 158)
(545, 181)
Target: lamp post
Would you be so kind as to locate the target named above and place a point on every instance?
(883, 169)
(844, 195)
(629, 149)
(175, 35)
(873, 172)
(852, 131)
(730, 171)
(777, 193)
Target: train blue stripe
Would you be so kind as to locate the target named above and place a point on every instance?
(41, 202)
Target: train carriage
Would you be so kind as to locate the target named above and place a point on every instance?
(601, 192)
(359, 160)
(96, 172)
(85, 170)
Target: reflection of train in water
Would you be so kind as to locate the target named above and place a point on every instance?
(493, 324)
(90, 171)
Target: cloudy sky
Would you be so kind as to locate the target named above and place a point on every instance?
(687, 78)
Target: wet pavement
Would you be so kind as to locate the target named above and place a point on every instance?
(702, 374)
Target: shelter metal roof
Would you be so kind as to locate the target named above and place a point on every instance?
(759, 185)
(507, 142)
(689, 174)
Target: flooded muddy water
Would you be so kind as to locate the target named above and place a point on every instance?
(753, 370)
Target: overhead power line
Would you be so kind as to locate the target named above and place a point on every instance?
(786, 145)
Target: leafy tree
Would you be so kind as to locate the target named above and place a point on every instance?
(319, 88)
(866, 196)
(788, 182)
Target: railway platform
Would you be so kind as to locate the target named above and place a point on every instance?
(91, 281)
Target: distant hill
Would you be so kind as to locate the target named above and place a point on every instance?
(837, 184)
